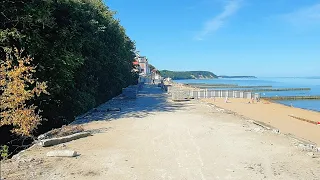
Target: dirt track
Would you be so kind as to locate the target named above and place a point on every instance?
(166, 140)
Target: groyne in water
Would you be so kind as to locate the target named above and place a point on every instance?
(292, 98)
(274, 89)
(204, 84)
(215, 87)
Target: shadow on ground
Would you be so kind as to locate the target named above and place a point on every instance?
(150, 99)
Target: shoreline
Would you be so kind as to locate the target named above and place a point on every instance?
(289, 120)
(296, 106)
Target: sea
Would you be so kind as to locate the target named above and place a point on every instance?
(275, 82)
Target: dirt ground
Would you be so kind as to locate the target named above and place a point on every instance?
(153, 138)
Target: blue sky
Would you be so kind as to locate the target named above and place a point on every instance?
(227, 37)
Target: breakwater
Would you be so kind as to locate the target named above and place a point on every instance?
(274, 89)
(204, 84)
(229, 86)
(275, 98)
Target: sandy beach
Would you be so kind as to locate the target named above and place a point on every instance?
(276, 115)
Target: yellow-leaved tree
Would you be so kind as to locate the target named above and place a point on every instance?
(17, 87)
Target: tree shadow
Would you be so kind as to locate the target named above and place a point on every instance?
(149, 100)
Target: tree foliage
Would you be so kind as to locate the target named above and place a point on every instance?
(4, 152)
(17, 86)
(151, 67)
(79, 49)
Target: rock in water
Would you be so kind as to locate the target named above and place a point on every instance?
(62, 153)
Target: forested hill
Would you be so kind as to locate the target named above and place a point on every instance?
(78, 48)
(188, 74)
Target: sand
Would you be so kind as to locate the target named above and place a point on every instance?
(156, 139)
(276, 115)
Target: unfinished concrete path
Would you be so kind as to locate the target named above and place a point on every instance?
(153, 139)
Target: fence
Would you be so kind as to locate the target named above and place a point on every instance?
(182, 94)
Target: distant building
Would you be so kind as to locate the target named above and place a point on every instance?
(136, 67)
(155, 74)
(144, 65)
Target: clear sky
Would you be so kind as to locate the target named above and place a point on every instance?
(227, 37)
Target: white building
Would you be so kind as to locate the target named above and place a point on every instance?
(144, 65)
(155, 74)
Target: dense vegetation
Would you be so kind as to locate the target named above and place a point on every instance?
(78, 48)
(187, 74)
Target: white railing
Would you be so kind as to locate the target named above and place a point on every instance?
(181, 94)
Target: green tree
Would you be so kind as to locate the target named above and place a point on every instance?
(79, 49)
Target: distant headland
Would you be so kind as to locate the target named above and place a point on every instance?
(176, 75)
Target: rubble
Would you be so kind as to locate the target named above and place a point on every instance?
(62, 153)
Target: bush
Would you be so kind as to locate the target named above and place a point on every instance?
(18, 86)
(4, 152)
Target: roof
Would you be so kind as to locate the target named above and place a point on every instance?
(135, 63)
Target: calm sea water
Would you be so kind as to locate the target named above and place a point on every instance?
(313, 83)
